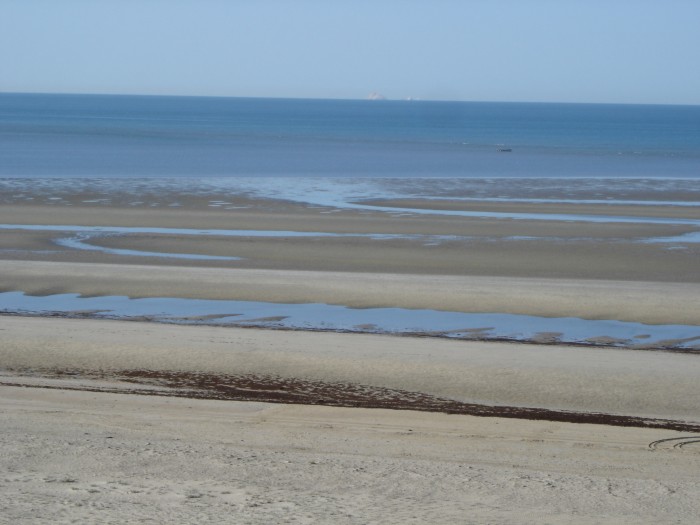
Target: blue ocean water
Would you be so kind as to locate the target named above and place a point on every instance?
(144, 136)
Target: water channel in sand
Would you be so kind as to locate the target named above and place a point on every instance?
(325, 317)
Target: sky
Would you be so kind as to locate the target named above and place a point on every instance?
(616, 51)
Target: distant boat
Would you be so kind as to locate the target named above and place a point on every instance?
(505, 150)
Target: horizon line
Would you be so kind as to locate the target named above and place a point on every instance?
(366, 98)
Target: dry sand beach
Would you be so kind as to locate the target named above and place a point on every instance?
(110, 458)
(267, 424)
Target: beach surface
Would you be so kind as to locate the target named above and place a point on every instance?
(106, 458)
(367, 241)
(119, 421)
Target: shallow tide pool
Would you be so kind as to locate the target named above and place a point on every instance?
(326, 317)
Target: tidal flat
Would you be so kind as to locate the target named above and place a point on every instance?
(345, 403)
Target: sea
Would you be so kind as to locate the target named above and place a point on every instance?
(117, 136)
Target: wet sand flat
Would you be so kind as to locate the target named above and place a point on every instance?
(544, 258)
(267, 214)
(464, 264)
(575, 208)
(281, 250)
(558, 258)
(415, 244)
(647, 302)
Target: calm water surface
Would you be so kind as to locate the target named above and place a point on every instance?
(139, 136)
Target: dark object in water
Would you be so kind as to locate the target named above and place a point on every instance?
(505, 150)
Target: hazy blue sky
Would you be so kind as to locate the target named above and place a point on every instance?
(636, 51)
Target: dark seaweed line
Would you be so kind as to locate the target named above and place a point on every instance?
(297, 391)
